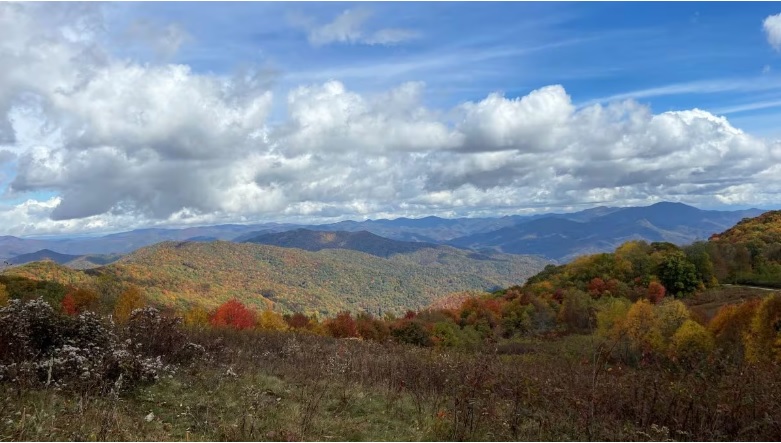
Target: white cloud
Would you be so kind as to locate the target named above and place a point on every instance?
(772, 27)
(121, 145)
(348, 27)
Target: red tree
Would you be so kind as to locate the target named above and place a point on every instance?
(233, 314)
(69, 305)
(655, 292)
(596, 287)
(343, 326)
(298, 321)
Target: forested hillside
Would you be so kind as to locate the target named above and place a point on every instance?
(328, 281)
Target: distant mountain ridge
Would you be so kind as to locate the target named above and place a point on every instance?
(361, 241)
(556, 236)
(561, 238)
(73, 261)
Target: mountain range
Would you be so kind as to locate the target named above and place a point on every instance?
(554, 236)
(564, 237)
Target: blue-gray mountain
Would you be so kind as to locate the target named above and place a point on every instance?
(554, 236)
(563, 237)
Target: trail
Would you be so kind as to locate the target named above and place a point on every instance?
(753, 287)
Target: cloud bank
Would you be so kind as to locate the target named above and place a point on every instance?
(115, 143)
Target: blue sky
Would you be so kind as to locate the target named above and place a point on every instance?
(122, 115)
(715, 53)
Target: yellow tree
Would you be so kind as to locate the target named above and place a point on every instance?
(763, 342)
(271, 321)
(132, 298)
(670, 315)
(196, 317)
(691, 343)
(730, 326)
(641, 327)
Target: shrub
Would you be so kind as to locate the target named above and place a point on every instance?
(130, 300)
(411, 332)
(38, 346)
(730, 325)
(3, 295)
(691, 343)
(271, 321)
(763, 341)
(342, 326)
(233, 314)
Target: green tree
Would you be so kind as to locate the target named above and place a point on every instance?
(411, 332)
(697, 254)
(678, 275)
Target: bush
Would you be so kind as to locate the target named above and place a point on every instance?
(39, 346)
(691, 343)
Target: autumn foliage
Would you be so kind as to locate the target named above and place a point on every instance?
(131, 299)
(233, 314)
(3, 295)
(79, 300)
(343, 326)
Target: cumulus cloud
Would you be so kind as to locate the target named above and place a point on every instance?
(348, 27)
(772, 27)
(120, 144)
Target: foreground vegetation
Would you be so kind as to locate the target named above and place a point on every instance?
(150, 377)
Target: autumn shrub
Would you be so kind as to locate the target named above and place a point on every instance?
(233, 314)
(691, 344)
(370, 328)
(763, 340)
(79, 300)
(28, 330)
(196, 317)
(655, 292)
(152, 334)
(298, 321)
(411, 332)
(577, 312)
(342, 326)
(128, 301)
(271, 321)
(3, 295)
(729, 327)
(42, 347)
(669, 316)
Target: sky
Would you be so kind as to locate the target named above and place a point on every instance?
(125, 115)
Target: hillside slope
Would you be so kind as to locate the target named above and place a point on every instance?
(361, 241)
(295, 280)
(71, 261)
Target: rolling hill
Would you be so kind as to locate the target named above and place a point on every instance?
(326, 281)
(361, 241)
(71, 261)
